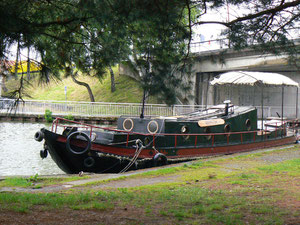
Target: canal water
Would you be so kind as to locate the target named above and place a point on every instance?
(20, 153)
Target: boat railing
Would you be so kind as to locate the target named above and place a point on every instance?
(279, 130)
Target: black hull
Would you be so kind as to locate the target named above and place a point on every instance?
(71, 163)
(103, 158)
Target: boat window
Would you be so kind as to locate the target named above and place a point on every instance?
(248, 124)
(128, 124)
(207, 130)
(152, 127)
(227, 129)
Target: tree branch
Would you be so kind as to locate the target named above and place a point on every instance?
(265, 12)
(274, 10)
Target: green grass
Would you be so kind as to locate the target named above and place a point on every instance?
(202, 193)
(291, 167)
(36, 181)
(127, 89)
(206, 170)
(16, 182)
(25, 201)
(188, 203)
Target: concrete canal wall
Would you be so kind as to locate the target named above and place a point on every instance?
(41, 118)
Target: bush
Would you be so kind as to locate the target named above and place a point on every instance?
(69, 117)
(48, 116)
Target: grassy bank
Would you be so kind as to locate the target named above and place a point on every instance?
(127, 89)
(261, 188)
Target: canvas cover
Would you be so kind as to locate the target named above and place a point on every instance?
(253, 78)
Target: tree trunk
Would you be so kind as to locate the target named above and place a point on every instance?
(28, 64)
(85, 85)
(112, 80)
(3, 74)
(17, 60)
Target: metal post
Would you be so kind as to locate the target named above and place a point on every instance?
(297, 104)
(66, 98)
(262, 107)
(1, 78)
(282, 100)
(143, 106)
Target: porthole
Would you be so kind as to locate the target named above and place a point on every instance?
(227, 129)
(152, 127)
(207, 130)
(248, 124)
(128, 124)
(185, 130)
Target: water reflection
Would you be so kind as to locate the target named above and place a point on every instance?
(20, 153)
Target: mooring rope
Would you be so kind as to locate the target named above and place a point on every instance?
(120, 143)
(139, 148)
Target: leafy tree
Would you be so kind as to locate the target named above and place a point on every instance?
(159, 49)
(85, 34)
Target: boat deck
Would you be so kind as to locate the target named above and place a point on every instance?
(217, 111)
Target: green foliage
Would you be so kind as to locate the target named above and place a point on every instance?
(79, 35)
(100, 34)
(69, 117)
(33, 178)
(48, 116)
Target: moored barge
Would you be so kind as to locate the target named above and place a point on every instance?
(153, 141)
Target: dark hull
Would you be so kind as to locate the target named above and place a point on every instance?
(113, 159)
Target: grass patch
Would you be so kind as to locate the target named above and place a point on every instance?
(15, 182)
(175, 170)
(26, 201)
(203, 193)
(127, 89)
(291, 167)
(271, 151)
(37, 182)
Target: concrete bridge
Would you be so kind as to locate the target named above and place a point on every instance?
(210, 64)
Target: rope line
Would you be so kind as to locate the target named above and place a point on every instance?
(139, 148)
(119, 143)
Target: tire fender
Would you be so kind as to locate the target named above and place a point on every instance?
(160, 159)
(89, 162)
(44, 153)
(74, 134)
(39, 136)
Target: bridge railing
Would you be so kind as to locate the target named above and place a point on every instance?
(93, 108)
(107, 109)
(224, 43)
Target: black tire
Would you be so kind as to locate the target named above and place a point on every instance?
(160, 160)
(43, 154)
(89, 162)
(39, 136)
(68, 145)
